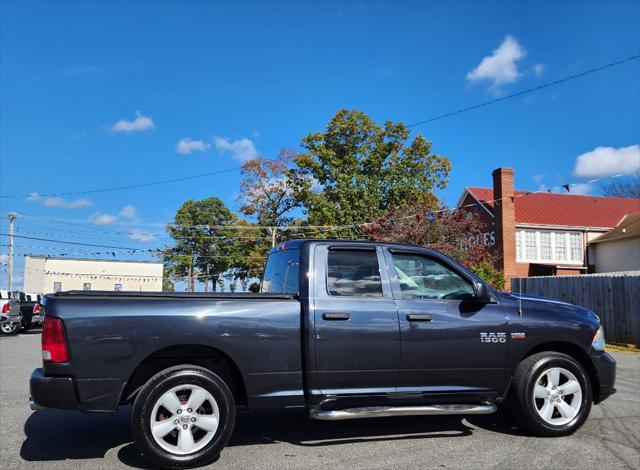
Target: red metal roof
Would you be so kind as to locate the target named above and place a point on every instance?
(564, 209)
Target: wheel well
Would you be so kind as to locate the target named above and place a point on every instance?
(579, 355)
(203, 356)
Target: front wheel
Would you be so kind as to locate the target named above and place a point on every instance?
(183, 417)
(8, 329)
(552, 394)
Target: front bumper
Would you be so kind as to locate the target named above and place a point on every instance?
(606, 370)
(52, 392)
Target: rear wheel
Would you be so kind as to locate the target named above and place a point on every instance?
(552, 394)
(183, 417)
(9, 328)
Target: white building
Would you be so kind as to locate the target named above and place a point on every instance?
(46, 274)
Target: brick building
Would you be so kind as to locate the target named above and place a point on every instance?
(537, 234)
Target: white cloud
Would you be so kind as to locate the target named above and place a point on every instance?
(140, 123)
(186, 146)
(142, 236)
(580, 188)
(608, 161)
(128, 212)
(59, 202)
(538, 69)
(241, 150)
(102, 219)
(538, 178)
(500, 67)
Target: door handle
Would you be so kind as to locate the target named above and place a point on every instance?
(419, 317)
(336, 316)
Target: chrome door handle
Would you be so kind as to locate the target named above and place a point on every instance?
(419, 317)
(336, 316)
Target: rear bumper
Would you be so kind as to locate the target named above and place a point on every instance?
(52, 392)
(606, 369)
(10, 318)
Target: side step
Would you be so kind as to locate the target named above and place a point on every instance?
(384, 411)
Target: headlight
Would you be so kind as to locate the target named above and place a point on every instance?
(598, 340)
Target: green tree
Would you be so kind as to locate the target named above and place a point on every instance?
(357, 170)
(204, 247)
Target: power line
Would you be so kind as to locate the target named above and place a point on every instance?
(131, 186)
(527, 91)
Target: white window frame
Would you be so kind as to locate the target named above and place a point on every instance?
(521, 248)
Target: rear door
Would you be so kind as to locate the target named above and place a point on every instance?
(450, 342)
(356, 328)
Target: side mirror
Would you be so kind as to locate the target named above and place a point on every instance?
(483, 294)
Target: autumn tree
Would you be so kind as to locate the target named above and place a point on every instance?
(454, 233)
(357, 170)
(204, 247)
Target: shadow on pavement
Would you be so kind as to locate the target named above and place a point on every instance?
(60, 435)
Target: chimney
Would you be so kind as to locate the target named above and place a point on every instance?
(505, 222)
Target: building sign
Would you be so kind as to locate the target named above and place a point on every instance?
(487, 238)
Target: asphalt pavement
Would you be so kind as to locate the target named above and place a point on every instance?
(55, 439)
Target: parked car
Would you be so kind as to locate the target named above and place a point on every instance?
(11, 318)
(346, 329)
(30, 308)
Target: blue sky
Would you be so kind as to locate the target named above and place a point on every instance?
(101, 94)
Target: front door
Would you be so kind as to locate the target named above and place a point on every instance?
(450, 342)
(357, 335)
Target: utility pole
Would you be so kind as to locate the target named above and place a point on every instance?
(273, 236)
(11, 216)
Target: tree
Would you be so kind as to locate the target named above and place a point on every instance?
(357, 170)
(622, 187)
(267, 189)
(204, 247)
(452, 233)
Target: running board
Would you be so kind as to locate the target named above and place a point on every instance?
(384, 411)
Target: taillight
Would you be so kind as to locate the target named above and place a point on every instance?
(6, 307)
(54, 342)
(36, 309)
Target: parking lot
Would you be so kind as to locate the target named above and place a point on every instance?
(288, 439)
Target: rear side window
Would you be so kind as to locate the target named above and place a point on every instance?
(353, 273)
(281, 273)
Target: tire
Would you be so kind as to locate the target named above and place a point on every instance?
(551, 394)
(10, 329)
(161, 390)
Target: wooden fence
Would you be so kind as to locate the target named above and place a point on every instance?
(615, 297)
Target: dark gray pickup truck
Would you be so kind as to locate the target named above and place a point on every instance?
(346, 329)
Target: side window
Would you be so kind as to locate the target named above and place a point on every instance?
(281, 273)
(117, 287)
(86, 286)
(57, 286)
(353, 273)
(421, 277)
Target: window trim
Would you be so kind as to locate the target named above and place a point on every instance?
(395, 282)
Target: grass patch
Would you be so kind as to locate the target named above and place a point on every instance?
(627, 348)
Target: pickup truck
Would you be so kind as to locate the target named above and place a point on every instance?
(11, 318)
(30, 310)
(347, 329)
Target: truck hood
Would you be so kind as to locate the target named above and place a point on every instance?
(537, 302)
